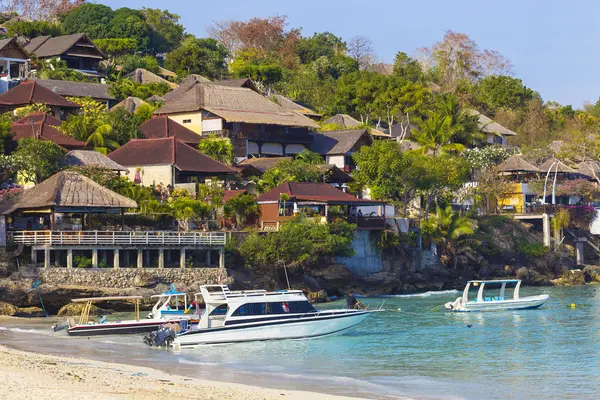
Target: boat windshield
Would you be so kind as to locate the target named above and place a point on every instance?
(492, 291)
(274, 308)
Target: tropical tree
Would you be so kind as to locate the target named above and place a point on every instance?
(90, 125)
(436, 136)
(561, 220)
(217, 148)
(198, 56)
(37, 160)
(184, 209)
(241, 207)
(464, 126)
(449, 230)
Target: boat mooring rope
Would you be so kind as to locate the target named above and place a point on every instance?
(36, 285)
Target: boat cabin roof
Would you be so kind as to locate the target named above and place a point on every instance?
(221, 293)
(498, 281)
(94, 299)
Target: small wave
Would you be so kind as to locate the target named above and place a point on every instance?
(425, 294)
(191, 362)
(3, 328)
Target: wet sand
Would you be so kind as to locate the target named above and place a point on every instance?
(35, 376)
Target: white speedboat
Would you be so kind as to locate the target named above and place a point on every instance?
(260, 315)
(483, 302)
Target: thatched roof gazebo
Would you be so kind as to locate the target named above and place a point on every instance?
(69, 192)
(589, 169)
(557, 166)
(516, 163)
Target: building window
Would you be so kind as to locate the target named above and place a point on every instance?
(187, 121)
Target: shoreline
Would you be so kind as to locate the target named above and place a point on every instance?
(33, 375)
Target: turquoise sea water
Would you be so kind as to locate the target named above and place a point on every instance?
(550, 353)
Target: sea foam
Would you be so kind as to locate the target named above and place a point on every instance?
(425, 294)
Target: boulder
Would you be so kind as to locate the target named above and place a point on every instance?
(74, 310)
(8, 309)
(522, 273)
(30, 312)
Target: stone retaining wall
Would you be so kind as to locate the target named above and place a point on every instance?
(127, 278)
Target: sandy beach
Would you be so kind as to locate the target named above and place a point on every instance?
(36, 376)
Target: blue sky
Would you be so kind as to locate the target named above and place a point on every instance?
(552, 44)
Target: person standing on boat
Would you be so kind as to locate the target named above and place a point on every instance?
(352, 302)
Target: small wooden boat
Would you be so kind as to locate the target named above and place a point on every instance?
(482, 302)
(85, 327)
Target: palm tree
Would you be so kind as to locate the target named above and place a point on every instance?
(465, 126)
(99, 139)
(450, 230)
(435, 135)
(242, 206)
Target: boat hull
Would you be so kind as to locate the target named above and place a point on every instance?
(298, 328)
(524, 303)
(128, 328)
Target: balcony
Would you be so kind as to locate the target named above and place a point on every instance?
(118, 239)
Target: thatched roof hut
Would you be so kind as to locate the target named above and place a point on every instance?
(130, 104)
(516, 163)
(555, 165)
(69, 190)
(90, 158)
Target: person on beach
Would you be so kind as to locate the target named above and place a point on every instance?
(352, 302)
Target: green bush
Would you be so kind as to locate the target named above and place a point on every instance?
(82, 262)
(532, 249)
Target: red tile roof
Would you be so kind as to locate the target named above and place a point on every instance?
(305, 191)
(167, 151)
(43, 126)
(230, 194)
(162, 127)
(31, 92)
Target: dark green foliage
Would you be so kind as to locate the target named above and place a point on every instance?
(407, 68)
(242, 207)
(92, 19)
(116, 47)
(5, 135)
(496, 92)
(124, 125)
(130, 62)
(123, 88)
(152, 30)
(82, 262)
(38, 159)
(322, 44)
(532, 249)
(302, 169)
(128, 23)
(166, 32)
(31, 29)
(298, 244)
(198, 56)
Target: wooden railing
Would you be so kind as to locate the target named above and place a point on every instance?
(528, 209)
(118, 238)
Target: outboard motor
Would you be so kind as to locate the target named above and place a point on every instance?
(456, 305)
(164, 336)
